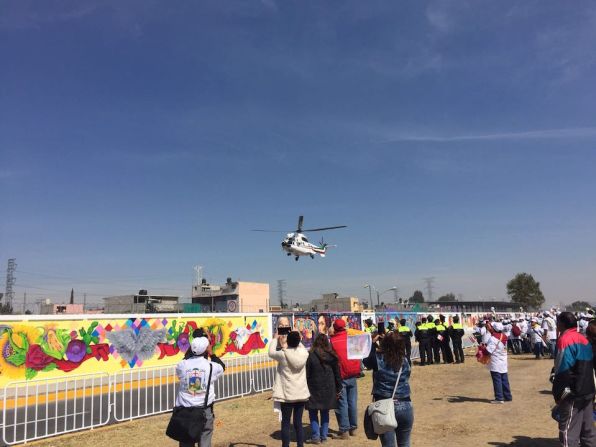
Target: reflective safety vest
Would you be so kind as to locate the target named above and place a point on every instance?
(371, 329)
(457, 326)
(404, 329)
(423, 327)
(440, 328)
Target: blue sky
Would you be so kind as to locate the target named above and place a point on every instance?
(456, 139)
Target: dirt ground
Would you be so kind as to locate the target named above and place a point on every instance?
(451, 408)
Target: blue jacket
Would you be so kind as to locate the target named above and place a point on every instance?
(384, 377)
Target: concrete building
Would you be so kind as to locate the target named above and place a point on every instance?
(333, 302)
(233, 296)
(471, 306)
(141, 303)
(49, 308)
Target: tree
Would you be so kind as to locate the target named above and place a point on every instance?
(579, 306)
(525, 291)
(417, 297)
(448, 297)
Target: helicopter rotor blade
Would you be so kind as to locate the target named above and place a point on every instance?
(300, 222)
(325, 228)
(270, 231)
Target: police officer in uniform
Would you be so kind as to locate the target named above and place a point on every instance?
(435, 344)
(424, 343)
(406, 332)
(456, 332)
(446, 346)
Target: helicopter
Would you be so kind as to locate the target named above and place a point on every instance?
(297, 244)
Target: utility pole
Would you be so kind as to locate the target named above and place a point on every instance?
(429, 286)
(281, 291)
(84, 301)
(24, 303)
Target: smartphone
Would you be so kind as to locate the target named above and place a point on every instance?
(381, 327)
(284, 330)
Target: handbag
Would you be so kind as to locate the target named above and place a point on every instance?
(382, 412)
(187, 423)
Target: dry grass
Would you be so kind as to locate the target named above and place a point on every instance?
(450, 405)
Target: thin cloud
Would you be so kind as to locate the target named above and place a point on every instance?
(580, 132)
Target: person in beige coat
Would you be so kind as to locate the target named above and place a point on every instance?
(290, 388)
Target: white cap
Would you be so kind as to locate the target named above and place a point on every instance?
(199, 345)
(497, 326)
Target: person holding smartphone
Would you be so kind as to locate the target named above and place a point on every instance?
(283, 329)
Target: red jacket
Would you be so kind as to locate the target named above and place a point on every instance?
(347, 368)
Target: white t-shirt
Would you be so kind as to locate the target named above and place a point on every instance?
(193, 374)
(507, 330)
(582, 325)
(498, 353)
(536, 334)
(484, 334)
(523, 325)
(551, 328)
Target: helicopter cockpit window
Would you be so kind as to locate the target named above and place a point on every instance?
(304, 239)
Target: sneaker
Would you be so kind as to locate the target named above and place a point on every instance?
(497, 402)
(353, 431)
(340, 435)
(312, 441)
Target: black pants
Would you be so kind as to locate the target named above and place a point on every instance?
(409, 351)
(286, 414)
(446, 351)
(437, 349)
(458, 350)
(426, 354)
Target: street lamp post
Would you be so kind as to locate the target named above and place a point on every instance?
(379, 295)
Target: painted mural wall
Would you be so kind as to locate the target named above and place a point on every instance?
(37, 348)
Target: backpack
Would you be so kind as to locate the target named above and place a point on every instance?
(515, 330)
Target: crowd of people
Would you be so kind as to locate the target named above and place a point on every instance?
(324, 378)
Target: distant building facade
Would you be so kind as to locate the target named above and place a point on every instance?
(141, 303)
(472, 306)
(334, 302)
(49, 308)
(233, 296)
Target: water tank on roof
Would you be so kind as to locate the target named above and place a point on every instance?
(142, 292)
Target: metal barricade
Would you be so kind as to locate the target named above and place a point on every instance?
(237, 379)
(36, 409)
(263, 372)
(143, 392)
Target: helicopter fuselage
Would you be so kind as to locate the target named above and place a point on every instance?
(297, 244)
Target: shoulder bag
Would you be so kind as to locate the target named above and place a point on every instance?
(187, 423)
(382, 412)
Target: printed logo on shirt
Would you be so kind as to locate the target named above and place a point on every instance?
(195, 381)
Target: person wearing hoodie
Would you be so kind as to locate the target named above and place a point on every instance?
(290, 389)
(324, 385)
(497, 348)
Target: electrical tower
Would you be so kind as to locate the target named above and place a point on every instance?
(11, 281)
(199, 271)
(429, 287)
(281, 291)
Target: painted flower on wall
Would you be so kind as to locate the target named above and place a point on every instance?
(76, 350)
(183, 342)
(14, 343)
(37, 359)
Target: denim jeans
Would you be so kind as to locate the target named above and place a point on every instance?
(287, 409)
(538, 349)
(347, 411)
(404, 414)
(501, 386)
(319, 432)
(552, 347)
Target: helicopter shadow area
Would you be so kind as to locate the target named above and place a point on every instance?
(525, 441)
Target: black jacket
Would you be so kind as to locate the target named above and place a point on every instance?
(324, 381)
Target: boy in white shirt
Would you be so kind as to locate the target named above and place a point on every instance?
(497, 348)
